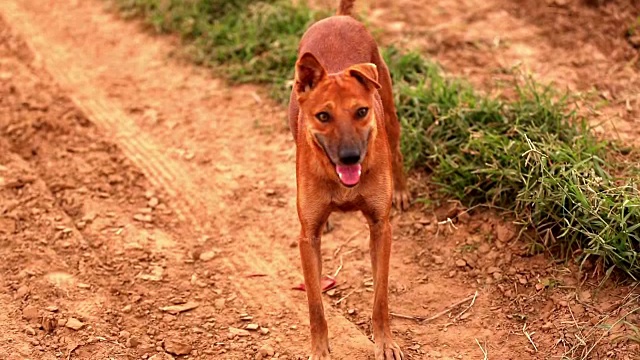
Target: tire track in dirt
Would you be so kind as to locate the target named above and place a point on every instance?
(197, 202)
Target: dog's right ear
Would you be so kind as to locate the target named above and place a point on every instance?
(309, 73)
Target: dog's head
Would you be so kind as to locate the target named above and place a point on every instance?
(339, 113)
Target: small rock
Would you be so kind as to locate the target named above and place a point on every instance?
(176, 309)
(153, 202)
(252, 327)
(132, 342)
(238, 332)
(351, 311)
(22, 292)
(267, 350)
(547, 326)
(48, 323)
(156, 274)
(74, 324)
(206, 256)
(270, 192)
(162, 356)
(504, 232)
(219, 303)
(461, 263)
(127, 308)
(143, 218)
(30, 312)
(52, 308)
(484, 248)
(264, 331)
(493, 269)
(331, 292)
(175, 347)
(29, 331)
(438, 260)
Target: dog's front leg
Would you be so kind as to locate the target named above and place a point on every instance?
(380, 248)
(309, 243)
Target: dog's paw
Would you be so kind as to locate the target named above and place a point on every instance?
(388, 350)
(320, 355)
(401, 199)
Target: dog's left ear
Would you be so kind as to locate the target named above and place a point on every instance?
(367, 74)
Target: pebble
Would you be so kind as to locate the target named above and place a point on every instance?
(438, 260)
(176, 309)
(29, 331)
(175, 347)
(162, 356)
(266, 350)
(253, 327)
(264, 331)
(132, 342)
(30, 312)
(143, 218)
(74, 324)
(206, 256)
(219, 303)
(238, 332)
(461, 263)
(22, 292)
(153, 202)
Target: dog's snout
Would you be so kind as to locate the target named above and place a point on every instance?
(349, 156)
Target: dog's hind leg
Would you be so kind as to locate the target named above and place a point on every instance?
(401, 196)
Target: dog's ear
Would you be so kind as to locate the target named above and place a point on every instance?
(309, 72)
(367, 74)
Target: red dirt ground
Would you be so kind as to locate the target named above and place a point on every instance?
(131, 181)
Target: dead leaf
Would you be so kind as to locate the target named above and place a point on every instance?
(327, 283)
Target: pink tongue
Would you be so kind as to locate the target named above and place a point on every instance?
(349, 174)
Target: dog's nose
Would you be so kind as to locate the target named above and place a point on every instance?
(349, 156)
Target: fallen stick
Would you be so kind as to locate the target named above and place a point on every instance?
(443, 312)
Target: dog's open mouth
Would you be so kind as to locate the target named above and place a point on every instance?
(349, 174)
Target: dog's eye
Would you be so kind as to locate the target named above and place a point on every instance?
(362, 112)
(323, 116)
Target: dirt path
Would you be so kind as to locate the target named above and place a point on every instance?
(131, 181)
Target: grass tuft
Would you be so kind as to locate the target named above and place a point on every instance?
(530, 154)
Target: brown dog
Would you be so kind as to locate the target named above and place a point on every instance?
(347, 134)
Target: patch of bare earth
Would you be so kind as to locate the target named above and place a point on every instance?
(147, 210)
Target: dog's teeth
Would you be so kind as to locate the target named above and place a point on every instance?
(340, 176)
(359, 172)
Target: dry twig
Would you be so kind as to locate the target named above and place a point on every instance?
(435, 316)
(484, 351)
(528, 335)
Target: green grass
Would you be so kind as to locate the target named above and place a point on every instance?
(529, 154)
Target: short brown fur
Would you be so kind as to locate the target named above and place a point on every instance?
(340, 71)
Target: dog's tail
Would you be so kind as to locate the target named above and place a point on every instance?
(346, 7)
